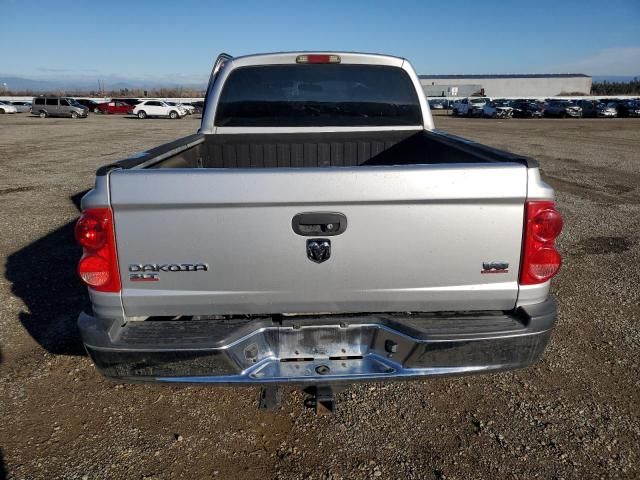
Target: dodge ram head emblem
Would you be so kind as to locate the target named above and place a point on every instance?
(318, 250)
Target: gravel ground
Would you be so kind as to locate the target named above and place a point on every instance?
(573, 415)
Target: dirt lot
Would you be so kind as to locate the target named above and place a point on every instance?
(576, 414)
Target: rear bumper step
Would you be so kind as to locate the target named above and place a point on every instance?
(318, 350)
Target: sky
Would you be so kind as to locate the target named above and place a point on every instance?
(177, 41)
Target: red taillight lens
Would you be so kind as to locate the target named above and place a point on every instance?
(547, 225)
(90, 231)
(98, 266)
(540, 259)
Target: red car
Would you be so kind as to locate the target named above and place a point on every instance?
(116, 107)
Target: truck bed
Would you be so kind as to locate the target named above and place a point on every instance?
(316, 150)
(320, 221)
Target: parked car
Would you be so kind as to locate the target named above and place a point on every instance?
(563, 109)
(243, 254)
(90, 104)
(471, 107)
(157, 108)
(436, 104)
(198, 105)
(114, 108)
(22, 107)
(57, 107)
(188, 110)
(497, 109)
(131, 101)
(607, 110)
(190, 106)
(527, 109)
(589, 107)
(633, 108)
(626, 108)
(6, 107)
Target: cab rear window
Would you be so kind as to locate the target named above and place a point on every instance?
(318, 95)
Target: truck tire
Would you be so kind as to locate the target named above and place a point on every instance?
(42, 114)
(142, 114)
(173, 114)
(455, 112)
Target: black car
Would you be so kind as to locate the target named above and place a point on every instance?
(562, 109)
(634, 108)
(589, 107)
(131, 101)
(527, 109)
(199, 106)
(627, 108)
(90, 104)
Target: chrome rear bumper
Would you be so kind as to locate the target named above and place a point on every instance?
(322, 349)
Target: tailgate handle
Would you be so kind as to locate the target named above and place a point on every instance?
(311, 224)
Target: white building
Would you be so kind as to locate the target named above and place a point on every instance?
(524, 85)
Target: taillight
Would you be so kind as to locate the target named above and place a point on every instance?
(98, 266)
(315, 58)
(540, 259)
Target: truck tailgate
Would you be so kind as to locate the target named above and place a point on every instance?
(220, 241)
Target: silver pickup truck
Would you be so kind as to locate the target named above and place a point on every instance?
(316, 230)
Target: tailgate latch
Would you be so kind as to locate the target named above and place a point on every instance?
(327, 224)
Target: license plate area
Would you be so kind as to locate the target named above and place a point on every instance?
(316, 370)
(321, 343)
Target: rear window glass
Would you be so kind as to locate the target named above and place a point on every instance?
(318, 95)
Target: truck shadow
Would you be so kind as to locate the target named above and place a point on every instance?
(3, 471)
(43, 276)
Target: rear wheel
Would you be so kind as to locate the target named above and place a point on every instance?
(43, 114)
(96, 110)
(142, 114)
(173, 114)
(74, 114)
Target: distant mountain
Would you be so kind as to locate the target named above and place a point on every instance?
(18, 83)
(110, 83)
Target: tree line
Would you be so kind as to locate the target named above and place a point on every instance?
(631, 87)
